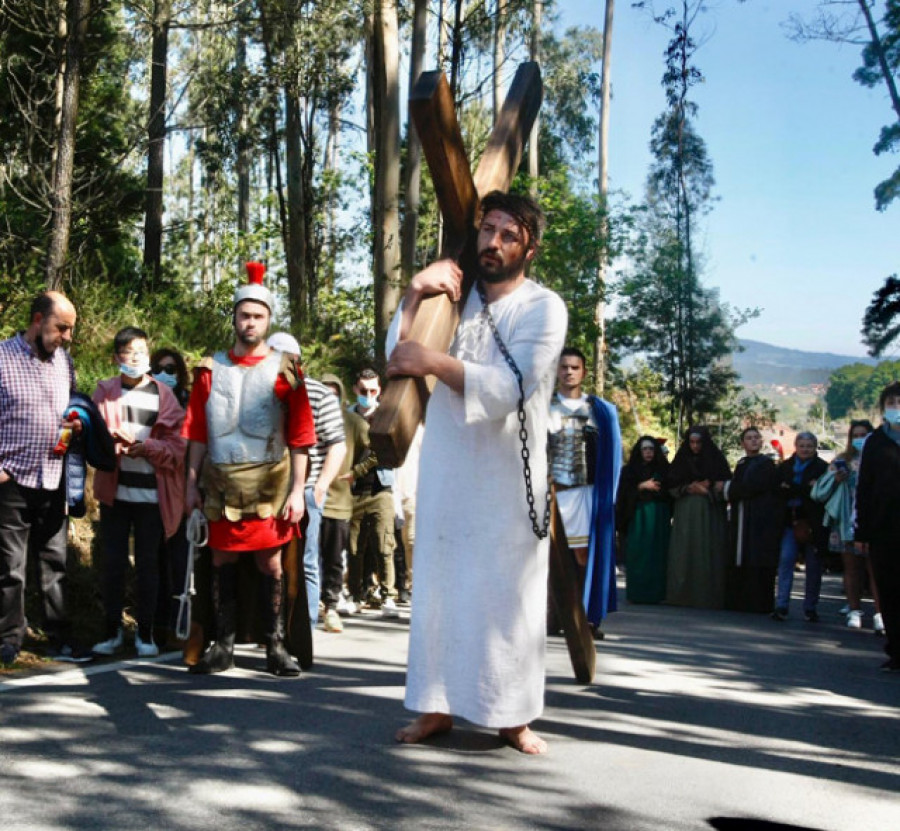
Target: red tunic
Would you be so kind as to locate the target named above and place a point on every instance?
(253, 533)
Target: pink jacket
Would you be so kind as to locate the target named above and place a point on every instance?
(165, 451)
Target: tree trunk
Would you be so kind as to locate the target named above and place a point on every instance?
(386, 219)
(537, 20)
(878, 46)
(243, 141)
(603, 183)
(295, 250)
(499, 56)
(61, 196)
(331, 165)
(413, 172)
(153, 219)
(443, 31)
(456, 47)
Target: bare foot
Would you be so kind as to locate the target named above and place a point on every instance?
(429, 724)
(522, 738)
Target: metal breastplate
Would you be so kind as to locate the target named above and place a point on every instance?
(567, 446)
(244, 417)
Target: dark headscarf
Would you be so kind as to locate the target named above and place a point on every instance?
(689, 467)
(644, 470)
(635, 472)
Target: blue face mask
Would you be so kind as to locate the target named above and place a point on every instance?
(130, 371)
(170, 380)
(366, 402)
(892, 416)
(858, 443)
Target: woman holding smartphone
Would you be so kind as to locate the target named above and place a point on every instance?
(837, 490)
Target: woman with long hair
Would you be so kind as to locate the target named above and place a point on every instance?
(698, 547)
(167, 366)
(836, 489)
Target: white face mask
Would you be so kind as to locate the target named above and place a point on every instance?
(892, 416)
(130, 371)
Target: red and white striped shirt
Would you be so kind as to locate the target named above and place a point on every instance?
(33, 399)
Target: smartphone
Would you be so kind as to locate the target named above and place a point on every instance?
(840, 464)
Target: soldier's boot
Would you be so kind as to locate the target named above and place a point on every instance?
(220, 656)
(278, 659)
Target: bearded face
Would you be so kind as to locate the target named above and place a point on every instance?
(503, 248)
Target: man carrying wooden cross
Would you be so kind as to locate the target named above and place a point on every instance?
(478, 623)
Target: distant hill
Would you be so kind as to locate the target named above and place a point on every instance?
(763, 363)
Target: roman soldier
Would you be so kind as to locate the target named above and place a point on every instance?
(249, 424)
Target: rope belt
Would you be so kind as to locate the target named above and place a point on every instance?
(197, 536)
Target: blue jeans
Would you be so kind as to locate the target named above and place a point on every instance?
(311, 555)
(789, 551)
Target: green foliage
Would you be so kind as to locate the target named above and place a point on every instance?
(572, 83)
(876, 55)
(642, 410)
(856, 387)
(569, 254)
(881, 322)
(107, 191)
(343, 340)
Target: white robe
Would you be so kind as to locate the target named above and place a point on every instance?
(477, 635)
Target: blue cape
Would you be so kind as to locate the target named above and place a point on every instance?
(600, 575)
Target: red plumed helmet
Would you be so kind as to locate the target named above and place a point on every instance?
(254, 289)
(255, 272)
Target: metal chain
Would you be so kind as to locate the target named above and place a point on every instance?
(540, 531)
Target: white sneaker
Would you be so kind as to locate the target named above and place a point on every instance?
(389, 608)
(145, 650)
(111, 645)
(333, 622)
(878, 624)
(346, 607)
(854, 619)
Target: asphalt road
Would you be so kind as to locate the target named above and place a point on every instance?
(697, 720)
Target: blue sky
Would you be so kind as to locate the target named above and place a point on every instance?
(790, 134)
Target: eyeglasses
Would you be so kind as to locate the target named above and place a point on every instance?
(168, 369)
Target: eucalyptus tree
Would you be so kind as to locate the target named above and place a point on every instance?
(66, 141)
(384, 141)
(160, 16)
(668, 313)
(412, 170)
(874, 26)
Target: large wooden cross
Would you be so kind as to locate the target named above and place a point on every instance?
(458, 193)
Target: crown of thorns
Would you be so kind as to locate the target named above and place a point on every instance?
(522, 208)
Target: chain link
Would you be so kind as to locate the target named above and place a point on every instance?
(540, 531)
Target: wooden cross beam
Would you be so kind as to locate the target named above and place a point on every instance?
(458, 193)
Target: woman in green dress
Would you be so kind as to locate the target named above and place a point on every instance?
(643, 518)
(698, 549)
